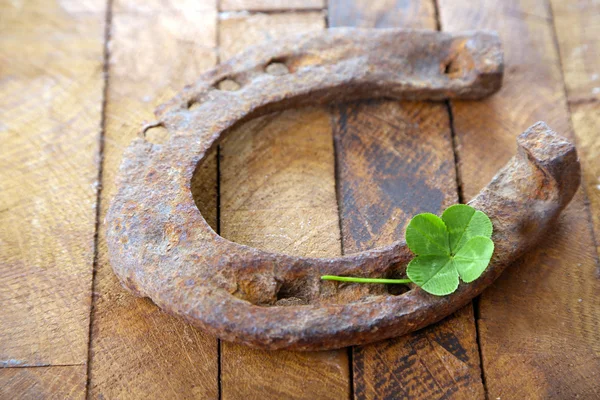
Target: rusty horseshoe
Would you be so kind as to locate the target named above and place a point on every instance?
(161, 247)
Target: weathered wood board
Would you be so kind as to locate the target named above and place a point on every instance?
(577, 27)
(137, 351)
(50, 111)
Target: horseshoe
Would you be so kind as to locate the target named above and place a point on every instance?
(161, 247)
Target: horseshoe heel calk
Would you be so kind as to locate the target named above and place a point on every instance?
(161, 247)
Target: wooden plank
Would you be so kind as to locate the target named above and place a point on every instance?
(395, 160)
(57, 382)
(273, 169)
(577, 28)
(137, 350)
(51, 57)
(238, 31)
(278, 193)
(585, 118)
(538, 324)
(270, 5)
(382, 14)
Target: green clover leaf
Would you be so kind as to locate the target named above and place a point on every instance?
(464, 222)
(456, 245)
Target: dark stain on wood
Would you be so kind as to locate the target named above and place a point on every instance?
(393, 153)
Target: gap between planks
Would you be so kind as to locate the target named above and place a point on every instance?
(218, 215)
(105, 72)
(338, 201)
(25, 366)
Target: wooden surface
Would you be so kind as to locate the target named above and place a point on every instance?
(77, 81)
(54, 382)
(270, 5)
(51, 58)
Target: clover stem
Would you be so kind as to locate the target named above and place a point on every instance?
(364, 280)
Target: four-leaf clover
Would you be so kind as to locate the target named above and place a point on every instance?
(456, 245)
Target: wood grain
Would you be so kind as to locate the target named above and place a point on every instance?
(137, 351)
(419, 14)
(577, 28)
(270, 5)
(51, 57)
(278, 187)
(278, 193)
(57, 382)
(538, 324)
(237, 32)
(585, 118)
(395, 160)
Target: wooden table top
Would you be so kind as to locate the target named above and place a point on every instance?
(79, 78)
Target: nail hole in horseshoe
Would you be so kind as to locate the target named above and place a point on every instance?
(277, 68)
(396, 272)
(193, 104)
(156, 133)
(228, 85)
(451, 68)
(396, 290)
(294, 292)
